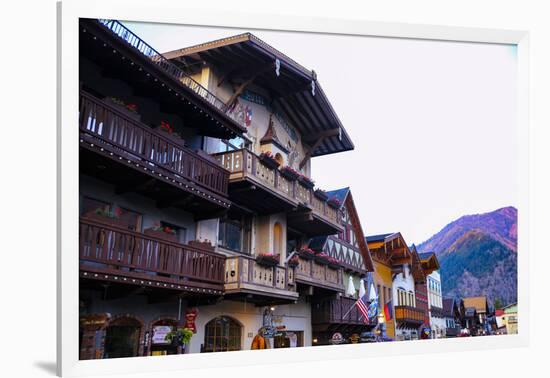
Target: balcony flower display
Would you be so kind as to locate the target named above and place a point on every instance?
(162, 232)
(321, 194)
(113, 213)
(334, 202)
(127, 108)
(306, 181)
(111, 217)
(294, 261)
(306, 253)
(322, 258)
(267, 259)
(268, 159)
(289, 173)
(167, 128)
(333, 262)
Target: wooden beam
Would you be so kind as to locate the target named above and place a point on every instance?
(246, 83)
(322, 134)
(318, 139)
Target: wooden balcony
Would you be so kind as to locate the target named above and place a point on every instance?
(264, 190)
(120, 149)
(341, 311)
(112, 253)
(310, 272)
(245, 278)
(408, 315)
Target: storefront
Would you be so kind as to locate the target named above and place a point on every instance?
(157, 342)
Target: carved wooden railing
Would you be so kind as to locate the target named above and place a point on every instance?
(242, 163)
(338, 311)
(245, 270)
(119, 132)
(112, 249)
(170, 68)
(317, 274)
(409, 314)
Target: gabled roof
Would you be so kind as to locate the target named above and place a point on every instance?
(346, 199)
(426, 255)
(295, 89)
(448, 307)
(380, 237)
(339, 194)
(479, 303)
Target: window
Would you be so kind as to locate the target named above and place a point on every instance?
(277, 238)
(234, 234)
(222, 334)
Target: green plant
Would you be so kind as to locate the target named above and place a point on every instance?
(180, 337)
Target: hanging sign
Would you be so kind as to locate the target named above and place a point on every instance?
(190, 316)
(337, 338)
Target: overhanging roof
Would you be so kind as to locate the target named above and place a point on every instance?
(309, 111)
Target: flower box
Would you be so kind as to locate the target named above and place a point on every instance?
(164, 233)
(322, 258)
(268, 160)
(306, 253)
(294, 261)
(333, 263)
(107, 218)
(289, 173)
(168, 131)
(306, 181)
(128, 109)
(321, 194)
(334, 202)
(267, 259)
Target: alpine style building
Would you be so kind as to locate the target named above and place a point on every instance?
(197, 202)
(201, 228)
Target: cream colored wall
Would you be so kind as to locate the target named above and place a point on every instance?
(296, 317)
(264, 234)
(260, 120)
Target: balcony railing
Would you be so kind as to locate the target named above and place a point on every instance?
(338, 311)
(321, 275)
(409, 314)
(170, 68)
(134, 258)
(244, 163)
(119, 133)
(244, 274)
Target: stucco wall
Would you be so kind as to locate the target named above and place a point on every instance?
(260, 120)
(383, 277)
(295, 317)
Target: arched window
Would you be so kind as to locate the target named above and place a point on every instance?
(279, 158)
(122, 337)
(277, 239)
(222, 334)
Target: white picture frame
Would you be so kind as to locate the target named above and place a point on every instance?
(68, 363)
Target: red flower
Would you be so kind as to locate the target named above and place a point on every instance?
(165, 126)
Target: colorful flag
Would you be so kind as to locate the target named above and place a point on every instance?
(361, 303)
(388, 311)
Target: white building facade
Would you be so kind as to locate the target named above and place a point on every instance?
(435, 301)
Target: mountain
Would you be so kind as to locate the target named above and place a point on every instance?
(478, 255)
(501, 224)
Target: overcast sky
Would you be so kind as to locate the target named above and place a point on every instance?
(433, 123)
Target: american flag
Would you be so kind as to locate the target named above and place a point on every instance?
(361, 303)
